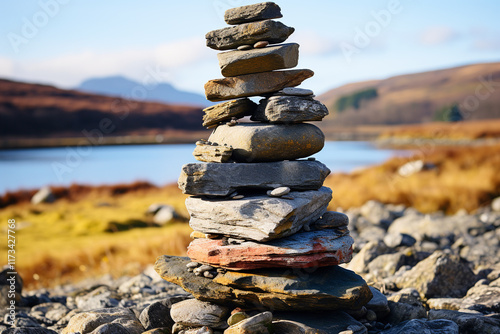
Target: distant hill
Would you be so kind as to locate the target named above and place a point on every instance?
(33, 110)
(122, 87)
(416, 98)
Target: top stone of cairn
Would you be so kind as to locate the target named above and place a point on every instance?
(252, 13)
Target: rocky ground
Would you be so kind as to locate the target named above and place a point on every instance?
(428, 273)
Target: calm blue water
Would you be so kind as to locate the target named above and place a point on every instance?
(159, 164)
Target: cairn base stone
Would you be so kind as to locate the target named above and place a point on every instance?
(326, 288)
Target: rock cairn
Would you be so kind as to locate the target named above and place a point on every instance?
(263, 238)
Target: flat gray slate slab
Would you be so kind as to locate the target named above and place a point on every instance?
(256, 84)
(301, 250)
(251, 13)
(248, 34)
(227, 110)
(258, 142)
(234, 63)
(258, 218)
(223, 179)
(325, 288)
(289, 109)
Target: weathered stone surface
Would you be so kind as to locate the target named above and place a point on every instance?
(378, 304)
(327, 288)
(400, 312)
(248, 33)
(417, 326)
(445, 303)
(234, 63)
(212, 153)
(227, 110)
(468, 323)
(224, 179)
(28, 330)
(258, 324)
(332, 219)
(301, 250)
(196, 313)
(295, 91)
(87, 322)
(259, 218)
(289, 109)
(440, 275)
(254, 84)
(254, 142)
(482, 298)
(252, 13)
(157, 315)
(316, 323)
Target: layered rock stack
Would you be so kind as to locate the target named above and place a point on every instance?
(263, 236)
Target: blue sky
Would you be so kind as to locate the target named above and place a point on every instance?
(63, 42)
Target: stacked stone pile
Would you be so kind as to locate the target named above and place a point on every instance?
(263, 236)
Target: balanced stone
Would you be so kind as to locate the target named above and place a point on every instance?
(251, 13)
(226, 111)
(248, 34)
(296, 91)
(325, 288)
(212, 153)
(332, 219)
(259, 217)
(234, 63)
(254, 84)
(256, 142)
(289, 109)
(301, 250)
(223, 179)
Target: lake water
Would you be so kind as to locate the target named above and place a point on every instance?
(158, 164)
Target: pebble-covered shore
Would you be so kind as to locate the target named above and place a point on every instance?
(427, 272)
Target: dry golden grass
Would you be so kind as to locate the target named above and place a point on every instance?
(464, 178)
(439, 130)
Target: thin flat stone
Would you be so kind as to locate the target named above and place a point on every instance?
(248, 34)
(332, 219)
(289, 109)
(257, 142)
(211, 153)
(217, 179)
(227, 110)
(293, 91)
(255, 84)
(301, 250)
(325, 288)
(259, 218)
(234, 63)
(251, 13)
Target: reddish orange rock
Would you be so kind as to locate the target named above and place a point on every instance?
(301, 250)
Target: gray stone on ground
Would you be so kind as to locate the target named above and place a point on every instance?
(49, 313)
(28, 330)
(6, 281)
(86, 322)
(256, 84)
(440, 275)
(248, 33)
(112, 328)
(234, 63)
(326, 288)
(258, 218)
(224, 179)
(316, 322)
(400, 312)
(251, 13)
(196, 313)
(227, 110)
(165, 215)
(368, 253)
(157, 315)
(378, 304)
(468, 323)
(212, 153)
(289, 109)
(44, 195)
(256, 142)
(495, 204)
(258, 324)
(482, 298)
(417, 326)
(394, 240)
(445, 303)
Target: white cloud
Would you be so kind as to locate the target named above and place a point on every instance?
(437, 35)
(70, 69)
